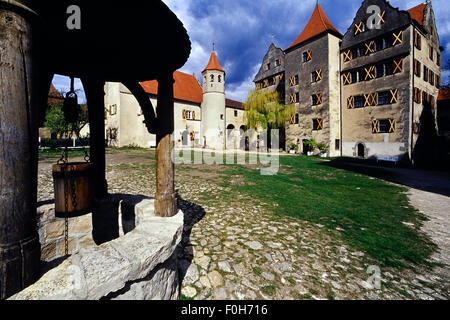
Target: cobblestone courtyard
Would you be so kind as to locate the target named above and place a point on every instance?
(235, 247)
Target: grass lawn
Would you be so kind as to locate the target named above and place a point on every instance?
(369, 211)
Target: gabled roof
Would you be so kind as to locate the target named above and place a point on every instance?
(186, 88)
(444, 94)
(418, 12)
(318, 24)
(213, 63)
(233, 104)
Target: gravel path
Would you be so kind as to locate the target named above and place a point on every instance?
(233, 247)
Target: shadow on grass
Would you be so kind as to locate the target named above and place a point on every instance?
(425, 180)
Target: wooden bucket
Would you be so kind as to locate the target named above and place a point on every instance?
(79, 182)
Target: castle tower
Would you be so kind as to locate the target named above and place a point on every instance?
(213, 105)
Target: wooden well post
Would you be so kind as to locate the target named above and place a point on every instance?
(19, 241)
(165, 199)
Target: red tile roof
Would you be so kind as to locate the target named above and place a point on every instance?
(213, 63)
(54, 96)
(444, 94)
(417, 13)
(234, 104)
(318, 23)
(186, 88)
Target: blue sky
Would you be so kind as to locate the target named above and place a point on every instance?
(243, 30)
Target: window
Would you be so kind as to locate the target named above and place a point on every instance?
(307, 56)
(417, 95)
(383, 126)
(384, 97)
(424, 98)
(297, 118)
(425, 73)
(297, 97)
(235, 113)
(438, 59)
(278, 62)
(361, 75)
(431, 78)
(296, 80)
(417, 68)
(221, 117)
(358, 101)
(113, 109)
(354, 77)
(354, 53)
(219, 78)
(188, 115)
(379, 70)
(379, 45)
(316, 99)
(361, 51)
(438, 82)
(417, 40)
(316, 76)
(317, 124)
(337, 144)
(388, 68)
(388, 42)
(431, 52)
(212, 78)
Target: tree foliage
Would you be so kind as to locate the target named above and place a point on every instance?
(57, 124)
(263, 111)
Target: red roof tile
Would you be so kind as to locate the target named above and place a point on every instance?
(318, 23)
(444, 94)
(186, 87)
(213, 63)
(234, 104)
(417, 13)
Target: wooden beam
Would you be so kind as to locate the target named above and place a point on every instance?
(19, 112)
(165, 199)
(95, 96)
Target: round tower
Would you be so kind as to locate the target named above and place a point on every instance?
(213, 105)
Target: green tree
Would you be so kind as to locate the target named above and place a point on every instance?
(264, 111)
(55, 121)
(58, 125)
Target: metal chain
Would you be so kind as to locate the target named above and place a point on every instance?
(66, 204)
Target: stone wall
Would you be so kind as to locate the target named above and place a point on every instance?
(51, 233)
(140, 265)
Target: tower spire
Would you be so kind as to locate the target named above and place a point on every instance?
(214, 49)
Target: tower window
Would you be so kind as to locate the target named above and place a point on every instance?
(221, 117)
(235, 113)
(212, 78)
(220, 78)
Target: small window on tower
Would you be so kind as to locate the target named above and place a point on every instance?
(212, 78)
(221, 117)
(235, 113)
(220, 78)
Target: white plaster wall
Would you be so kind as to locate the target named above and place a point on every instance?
(349, 149)
(213, 106)
(334, 94)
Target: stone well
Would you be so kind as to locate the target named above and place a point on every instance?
(140, 263)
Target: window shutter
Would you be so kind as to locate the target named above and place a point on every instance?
(309, 55)
(394, 96)
(347, 56)
(392, 125)
(398, 66)
(375, 128)
(397, 38)
(184, 114)
(193, 115)
(350, 102)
